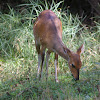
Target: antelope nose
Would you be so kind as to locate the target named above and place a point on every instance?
(76, 78)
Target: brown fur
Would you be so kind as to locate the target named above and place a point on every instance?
(48, 34)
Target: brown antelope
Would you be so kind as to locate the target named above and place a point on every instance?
(48, 34)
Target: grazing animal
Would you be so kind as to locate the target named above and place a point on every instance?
(48, 34)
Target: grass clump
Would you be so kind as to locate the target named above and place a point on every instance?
(18, 57)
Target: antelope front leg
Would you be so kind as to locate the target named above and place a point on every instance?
(56, 64)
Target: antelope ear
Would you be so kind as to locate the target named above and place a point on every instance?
(81, 49)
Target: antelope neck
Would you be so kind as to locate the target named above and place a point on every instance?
(61, 49)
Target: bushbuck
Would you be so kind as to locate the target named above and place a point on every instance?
(47, 31)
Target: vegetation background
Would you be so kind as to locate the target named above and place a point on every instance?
(18, 57)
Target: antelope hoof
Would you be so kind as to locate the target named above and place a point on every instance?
(57, 81)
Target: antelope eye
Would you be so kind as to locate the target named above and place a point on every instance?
(73, 65)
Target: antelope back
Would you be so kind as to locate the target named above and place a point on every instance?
(47, 29)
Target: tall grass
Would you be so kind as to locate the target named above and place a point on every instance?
(18, 57)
